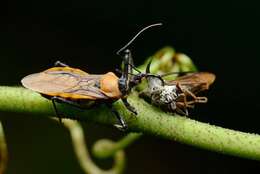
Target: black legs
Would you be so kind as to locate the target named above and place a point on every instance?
(63, 100)
(128, 106)
(122, 125)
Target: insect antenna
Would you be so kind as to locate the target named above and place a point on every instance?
(130, 73)
(172, 73)
(136, 75)
(141, 31)
(166, 74)
(132, 66)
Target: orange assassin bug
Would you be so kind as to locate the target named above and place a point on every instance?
(63, 83)
(177, 95)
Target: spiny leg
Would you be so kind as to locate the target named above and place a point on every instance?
(128, 106)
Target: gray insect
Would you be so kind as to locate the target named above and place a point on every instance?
(177, 95)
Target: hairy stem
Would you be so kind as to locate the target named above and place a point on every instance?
(150, 120)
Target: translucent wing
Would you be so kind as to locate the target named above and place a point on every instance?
(65, 82)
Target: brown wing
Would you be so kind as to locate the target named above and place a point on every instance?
(195, 82)
(65, 82)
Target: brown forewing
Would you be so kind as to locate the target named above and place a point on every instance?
(65, 82)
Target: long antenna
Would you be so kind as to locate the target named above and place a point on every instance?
(149, 26)
(134, 67)
(172, 73)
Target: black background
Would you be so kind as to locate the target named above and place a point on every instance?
(220, 37)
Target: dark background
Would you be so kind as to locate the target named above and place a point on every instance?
(220, 37)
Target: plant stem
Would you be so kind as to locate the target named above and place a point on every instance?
(150, 120)
(81, 151)
(104, 149)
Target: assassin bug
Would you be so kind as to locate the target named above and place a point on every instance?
(63, 83)
(177, 95)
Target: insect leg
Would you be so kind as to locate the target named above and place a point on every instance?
(59, 63)
(197, 99)
(128, 106)
(53, 99)
(201, 99)
(71, 102)
(124, 80)
(122, 125)
(182, 109)
(184, 98)
(178, 85)
(127, 59)
(63, 100)
(172, 106)
(183, 94)
(191, 94)
(190, 104)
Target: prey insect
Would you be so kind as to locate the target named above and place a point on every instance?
(63, 83)
(177, 95)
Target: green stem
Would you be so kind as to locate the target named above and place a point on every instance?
(104, 149)
(150, 120)
(81, 151)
